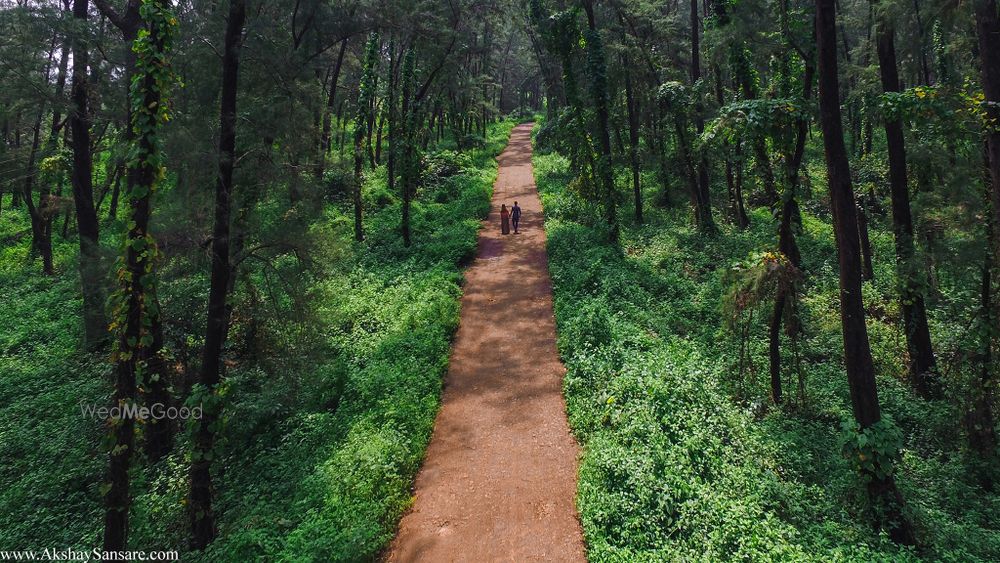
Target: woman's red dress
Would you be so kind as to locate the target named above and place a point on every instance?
(504, 221)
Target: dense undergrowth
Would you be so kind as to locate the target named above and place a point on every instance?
(336, 358)
(684, 459)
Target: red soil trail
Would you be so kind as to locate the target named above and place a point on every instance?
(499, 479)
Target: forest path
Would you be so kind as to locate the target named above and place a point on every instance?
(499, 478)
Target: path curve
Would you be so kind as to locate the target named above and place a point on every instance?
(499, 478)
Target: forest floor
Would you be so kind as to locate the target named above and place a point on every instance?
(499, 478)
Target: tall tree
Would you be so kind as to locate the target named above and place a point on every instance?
(158, 435)
(631, 106)
(200, 496)
(136, 310)
(882, 488)
(366, 96)
(922, 366)
(406, 139)
(91, 267)
(597, 68)
(702, 198)
(983, 425)
(330, 103)
(41, 214)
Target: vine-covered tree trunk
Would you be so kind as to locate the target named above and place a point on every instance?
(365, 96)
(597, 68)
(406, 140)
(786, 236)
(392, 126)
(737, 210)
(857, 354)
(159, 433)
(200, 496)
(633, 136)
(979, 421)
(91, 268)
(923, 370)
(702, 196)
(136, 312)
(982, 428)
(867, 268)
(44, 193)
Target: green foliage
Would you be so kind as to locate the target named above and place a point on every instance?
(875, 450)
(334, 377)
(681, 462)
(757, 118)
(754, 282)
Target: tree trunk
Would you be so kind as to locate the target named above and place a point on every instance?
(200, 497)
(857, 353)
(736, 209)
(599, 94)
(330, 101)
(988, 31)
(633, 136)
(406, 141)
(392, 126)
(922, 366)
(37, 214)
(46, 210)
(91, 268)
(702, 195)
(786, 237)
(980, 422)
(867, 270)
(137, 312)
(366, 94)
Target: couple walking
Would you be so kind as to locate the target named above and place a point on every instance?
(506, 217)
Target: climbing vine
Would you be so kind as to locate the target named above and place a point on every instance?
(148, 93)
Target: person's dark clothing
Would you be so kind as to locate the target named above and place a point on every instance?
(515, 216)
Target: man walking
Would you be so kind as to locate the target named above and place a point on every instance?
(515, 215)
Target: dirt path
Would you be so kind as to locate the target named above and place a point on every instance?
(499, 478)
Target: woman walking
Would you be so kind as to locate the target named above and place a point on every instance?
(504, 220)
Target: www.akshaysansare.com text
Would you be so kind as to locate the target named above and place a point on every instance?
(96, 554)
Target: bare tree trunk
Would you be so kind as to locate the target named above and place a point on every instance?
(91, 268)
(857, 353)
(330, 100)
(200, 497)
(923, 369)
